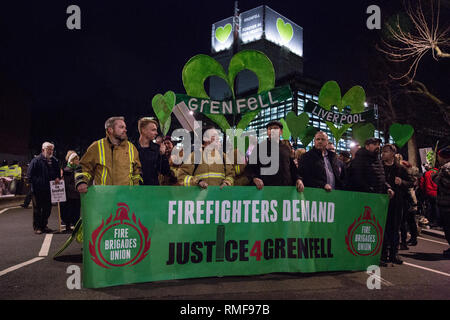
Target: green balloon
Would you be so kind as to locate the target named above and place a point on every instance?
(163, 105)
(362, 132)
(401, 133)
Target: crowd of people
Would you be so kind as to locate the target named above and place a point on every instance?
(372, 168)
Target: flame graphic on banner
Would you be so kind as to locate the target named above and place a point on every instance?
(365, 218)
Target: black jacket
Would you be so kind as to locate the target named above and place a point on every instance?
(286, 175)
(40, 173)
(152, 163)
(366, 173)
(69, 183)
(311, 169)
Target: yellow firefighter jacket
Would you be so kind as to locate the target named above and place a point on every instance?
(212, 173)
(105, 164)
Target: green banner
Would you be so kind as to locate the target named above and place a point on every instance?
(339, 118)
(265, 99)
(150, 233)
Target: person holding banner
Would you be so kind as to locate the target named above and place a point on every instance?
(43, 169)
(318, 168)
(285, 172)
(397, 177)
(367, 172)
(209, 167)
(152, 155)
(112, 160)
(70, 209)
(442, 179)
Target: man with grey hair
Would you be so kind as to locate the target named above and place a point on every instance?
(112, 160)
(43, 169)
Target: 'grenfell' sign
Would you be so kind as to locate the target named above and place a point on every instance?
(265, 99)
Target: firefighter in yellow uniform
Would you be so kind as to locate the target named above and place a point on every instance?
(213, 169)
(240, 178)
(112, 160)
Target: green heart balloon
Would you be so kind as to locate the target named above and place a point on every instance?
(201, 67)
(163, 105)
(222, 33)
(308, 135)
(297, 124)
(362, 132)
(285, 30)
(330, 95)
(401, 133)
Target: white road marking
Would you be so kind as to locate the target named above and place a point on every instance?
(21, 265)
(46, 245)
(427, 269)
(4, 210)
(383, 281)
(433, 241)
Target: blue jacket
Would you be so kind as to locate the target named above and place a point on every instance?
(40, 173)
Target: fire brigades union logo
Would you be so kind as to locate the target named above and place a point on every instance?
(365, 235)
(119, 242)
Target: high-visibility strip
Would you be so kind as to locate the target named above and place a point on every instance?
(237, 169)
(187, 181)
(211, 175)
(230, 179)
(80, 175)
(131, 155)
(101, 150)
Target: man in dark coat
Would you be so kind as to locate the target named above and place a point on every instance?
(442, 179)
(285, 170)
(43, 169)
(318, 168)
(367, 172)
(397, 177)
(151, 155)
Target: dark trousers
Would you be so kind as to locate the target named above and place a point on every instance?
(433, 212)
(392, 229)
(42, 207)
(70, 211)
(408, 222)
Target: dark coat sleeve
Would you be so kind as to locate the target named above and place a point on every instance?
(358, 178)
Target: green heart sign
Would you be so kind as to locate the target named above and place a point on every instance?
(297, 124)
(401, 133)
(362, 132)
(201, 67)
(222, 33)
(330, 95)
(163, 105)
(308, 135)
(285, 30)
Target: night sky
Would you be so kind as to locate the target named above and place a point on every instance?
(128, 51)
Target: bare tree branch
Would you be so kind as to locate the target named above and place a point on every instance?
(411, 47)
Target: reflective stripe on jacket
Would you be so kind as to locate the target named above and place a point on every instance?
(213, 174)
(106, 164)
